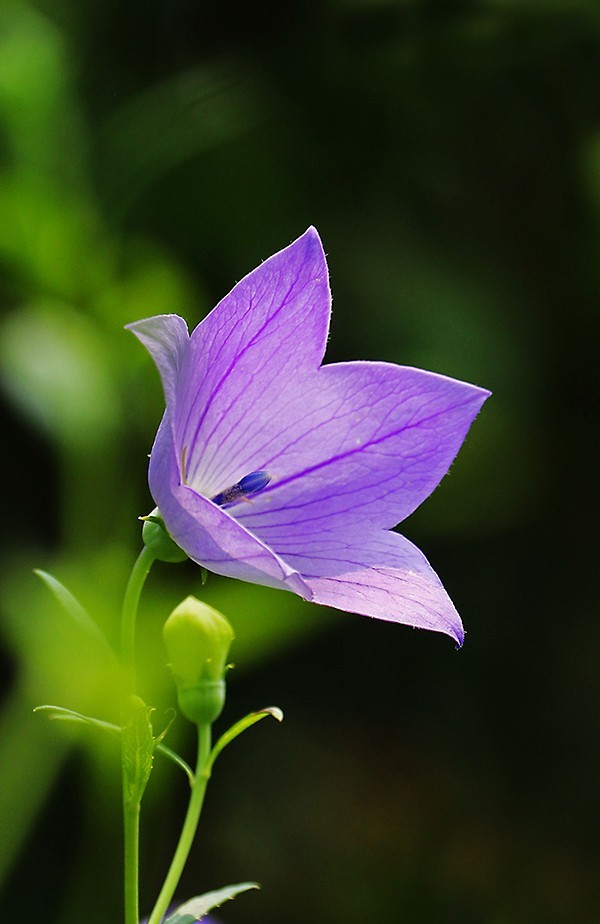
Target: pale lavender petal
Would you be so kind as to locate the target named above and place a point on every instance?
(335, 455)
(380, 574)
(364, 443)
(166, 338)
(208, 534)
(268, 332)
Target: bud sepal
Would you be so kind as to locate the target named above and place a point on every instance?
(157, 539)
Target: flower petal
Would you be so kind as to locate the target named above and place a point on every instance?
(380, 574)
(344, 452)
(271, 329)
(360, 443)
(166, 338)
(206, 532)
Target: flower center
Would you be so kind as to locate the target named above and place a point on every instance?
(247, 486)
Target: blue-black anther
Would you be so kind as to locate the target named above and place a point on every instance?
(246, 487)
(254, 482)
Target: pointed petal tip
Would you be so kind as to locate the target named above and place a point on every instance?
(476, 398)
(311, 239)
(458, 634)
(311, 232)
(453, 630)
(154, 321)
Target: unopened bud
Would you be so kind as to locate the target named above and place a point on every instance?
(198, 639)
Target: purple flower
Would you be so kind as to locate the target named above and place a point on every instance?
(271, 468)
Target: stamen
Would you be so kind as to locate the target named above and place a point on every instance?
(183, 454)
(244, 488)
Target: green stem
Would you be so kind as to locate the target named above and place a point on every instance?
(188, 830)
(131, 821)
(131, 600)
(131, 804)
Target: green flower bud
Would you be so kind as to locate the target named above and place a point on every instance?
(156, 538)
(198, 639)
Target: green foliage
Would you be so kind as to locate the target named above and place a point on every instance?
(138, 749)
(197, 908)
(239, 727)
(74, 610)
(63, 714)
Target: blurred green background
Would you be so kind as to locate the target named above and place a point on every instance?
(449, 153)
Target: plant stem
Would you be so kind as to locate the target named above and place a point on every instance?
(188, 830)
(131, 821)
(131, 802)
(131, 600)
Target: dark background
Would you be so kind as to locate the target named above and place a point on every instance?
(449, 154)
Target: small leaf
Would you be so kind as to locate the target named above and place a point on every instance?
(163, 734)
(198, 907)
(63, 714)
(138, 748)
(73, 608)
(241, 726)
(69, 715)
(174, 756)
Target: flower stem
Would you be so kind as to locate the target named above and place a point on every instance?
(131, 822)
(188, 830)
(131, 803)
(131, 600)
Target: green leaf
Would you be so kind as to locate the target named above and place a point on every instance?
(198, 907)
(73, 608)
(174, 756)
(138, 749)
(61, 713)
(247, 722)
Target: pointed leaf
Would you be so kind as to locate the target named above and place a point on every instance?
(174, 756)
(69, 715)
(138, 748)
(198, 907)
(161, 748)
(73, 608)
(247, 722)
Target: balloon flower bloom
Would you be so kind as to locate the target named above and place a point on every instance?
(272, 468)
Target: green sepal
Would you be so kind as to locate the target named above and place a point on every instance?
(247, 722)
(156, 538)
(197, 908)
(203, 702)
(73, 608)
